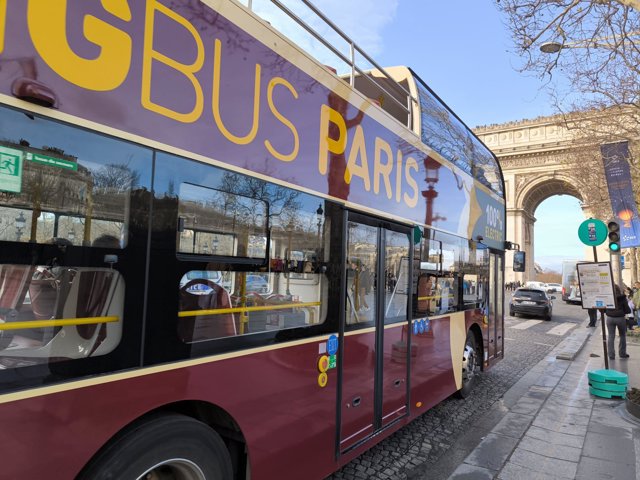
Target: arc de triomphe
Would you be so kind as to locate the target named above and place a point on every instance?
(531, 153)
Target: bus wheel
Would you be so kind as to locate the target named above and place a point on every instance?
(469, 366)
(166, 447)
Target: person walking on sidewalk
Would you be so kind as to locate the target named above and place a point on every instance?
(616, 319)
(593, 317)
(636, 302)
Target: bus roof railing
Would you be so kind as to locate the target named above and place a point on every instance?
(351, 62)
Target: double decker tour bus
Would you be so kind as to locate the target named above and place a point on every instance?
(218, 258)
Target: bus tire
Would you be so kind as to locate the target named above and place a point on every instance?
(160, 446)
(470, 366)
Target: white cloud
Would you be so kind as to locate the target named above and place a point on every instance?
(361, 20)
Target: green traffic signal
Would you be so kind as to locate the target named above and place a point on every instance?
(614, 236)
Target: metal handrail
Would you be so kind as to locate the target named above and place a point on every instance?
(351, 62)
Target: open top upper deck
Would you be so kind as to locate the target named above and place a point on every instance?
(223, 87)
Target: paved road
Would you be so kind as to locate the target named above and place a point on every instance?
(432, 446)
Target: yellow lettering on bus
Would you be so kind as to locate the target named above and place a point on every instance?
(336, 146)
(3, 22)
(47, 20)
(399, 176)
(358, 150)
(411, 164)
(382, 169)
(187, 69)
(217, 74)
(296, 140)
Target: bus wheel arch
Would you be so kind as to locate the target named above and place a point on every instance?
(197, 437)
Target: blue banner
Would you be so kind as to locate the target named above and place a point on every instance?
(623, 203)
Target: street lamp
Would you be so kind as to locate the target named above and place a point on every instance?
(555, 47)
(20, 224)
(319, 214)
(551, 47)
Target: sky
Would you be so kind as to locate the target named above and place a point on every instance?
(463, 51)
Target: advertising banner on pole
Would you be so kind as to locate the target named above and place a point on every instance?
(616, 170)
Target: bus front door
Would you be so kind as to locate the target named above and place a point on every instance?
(496, 306)
(376, 328)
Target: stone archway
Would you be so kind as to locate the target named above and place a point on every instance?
(534, 189)
(532, 154)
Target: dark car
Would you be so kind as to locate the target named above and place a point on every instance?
(531, 301)
(257, 284)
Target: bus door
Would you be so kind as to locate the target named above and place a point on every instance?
(496, 305)
(374, 390)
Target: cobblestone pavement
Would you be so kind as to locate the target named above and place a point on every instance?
(410, 452)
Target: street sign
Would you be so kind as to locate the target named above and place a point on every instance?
(596, 285)
(592, 232)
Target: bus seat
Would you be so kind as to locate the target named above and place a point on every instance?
(82, 292)
(14, 284)
(205, 327)
(48, 289)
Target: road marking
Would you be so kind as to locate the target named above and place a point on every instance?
(543, 344)
(512, 339)
(561, 329)
(527, 324)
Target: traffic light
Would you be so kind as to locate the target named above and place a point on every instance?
(614, 236)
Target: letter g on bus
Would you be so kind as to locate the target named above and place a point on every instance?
(47, 21)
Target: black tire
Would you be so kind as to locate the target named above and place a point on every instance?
(470, 366)
(165, 445)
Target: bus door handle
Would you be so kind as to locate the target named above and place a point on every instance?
(355, 402)
(398, 382)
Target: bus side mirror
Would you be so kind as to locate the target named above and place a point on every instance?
(519, 261)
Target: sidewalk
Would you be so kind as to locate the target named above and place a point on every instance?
(557, 430)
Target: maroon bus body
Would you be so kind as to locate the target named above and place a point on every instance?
(273, 395)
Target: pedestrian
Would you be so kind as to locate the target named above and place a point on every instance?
(616, 320)
(636, 302)
(593, 316)
(366, 282)
(628, 292)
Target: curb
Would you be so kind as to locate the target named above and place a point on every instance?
(571, 346)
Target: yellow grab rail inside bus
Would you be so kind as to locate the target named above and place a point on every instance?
(62, 322)
(435, 297)
(218, 311)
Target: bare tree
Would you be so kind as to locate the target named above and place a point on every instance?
(589, 53)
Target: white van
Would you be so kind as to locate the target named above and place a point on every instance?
(539, 285)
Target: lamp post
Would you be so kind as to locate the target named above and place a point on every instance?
(20, 224)
(432, 169)
(319, 214)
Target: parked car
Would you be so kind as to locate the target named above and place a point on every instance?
(531, 301)
(554, 287)
(257, 284)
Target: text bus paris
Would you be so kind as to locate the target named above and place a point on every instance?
(219, 259)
